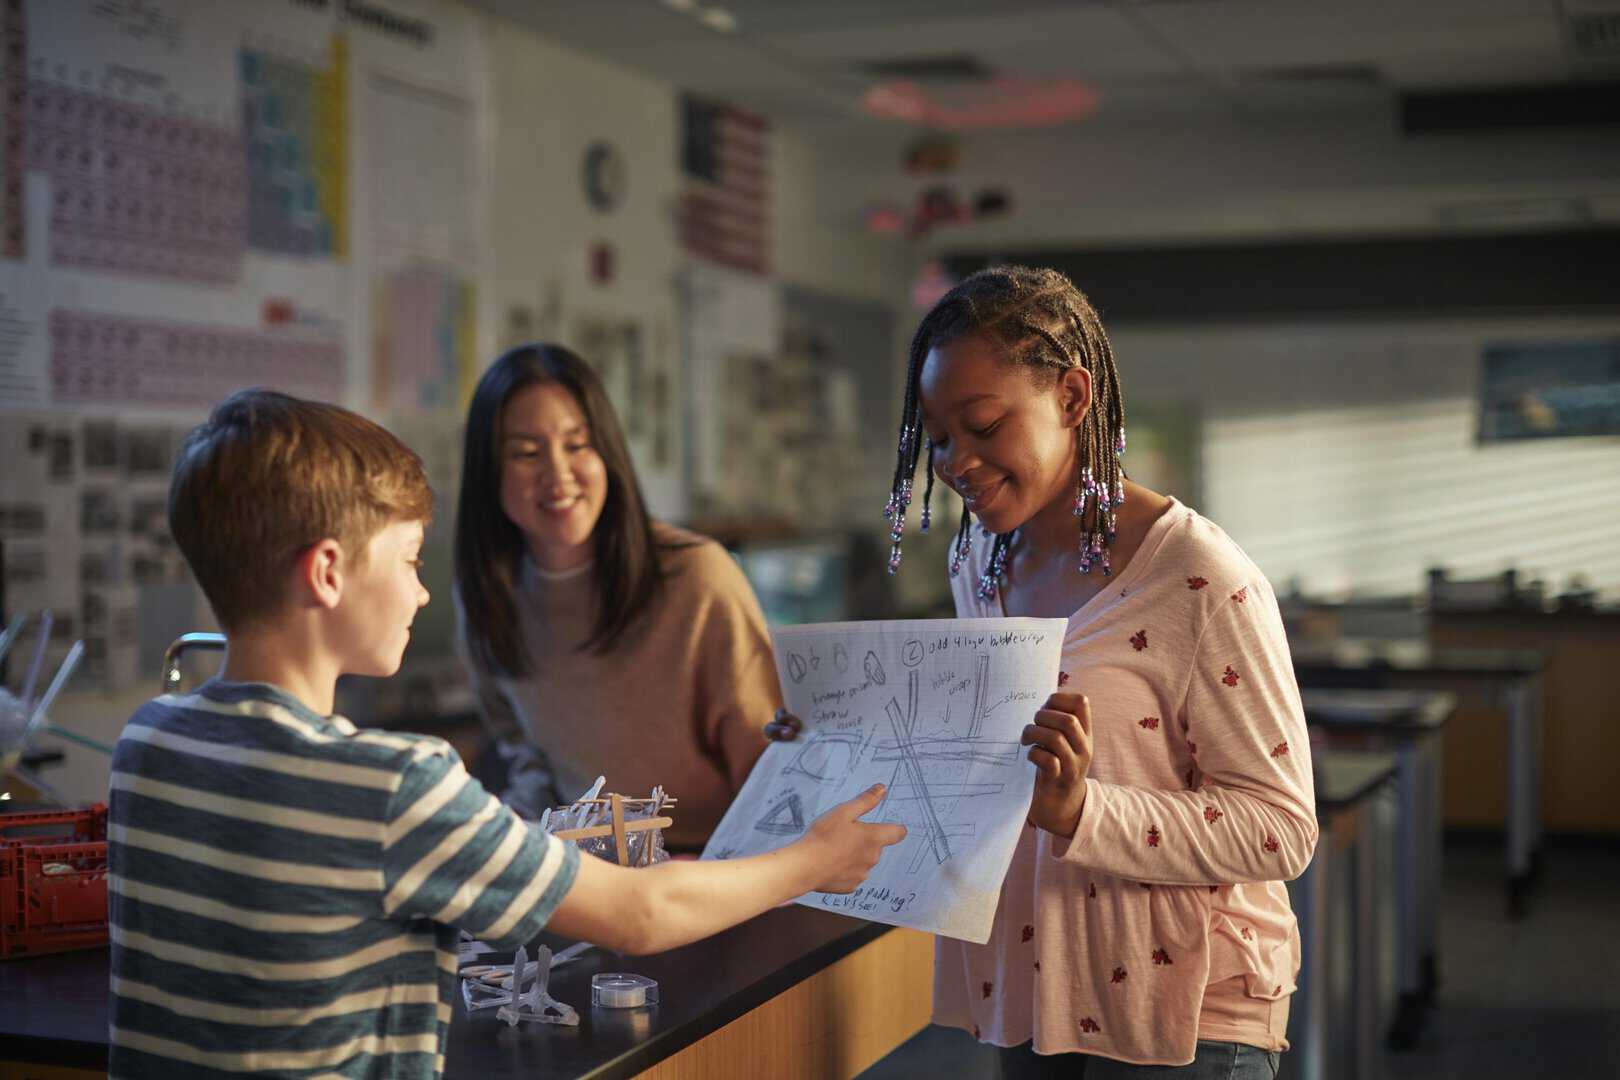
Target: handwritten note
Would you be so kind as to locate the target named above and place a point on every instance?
(931, 708)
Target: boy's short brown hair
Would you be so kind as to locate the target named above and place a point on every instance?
(267, 476)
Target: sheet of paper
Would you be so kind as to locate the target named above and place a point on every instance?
(931, 708)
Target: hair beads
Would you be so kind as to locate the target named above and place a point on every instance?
(1040, 320)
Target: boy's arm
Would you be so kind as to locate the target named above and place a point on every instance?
(454, 854)
(660, 907)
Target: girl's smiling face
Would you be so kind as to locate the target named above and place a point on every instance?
(1003, 432)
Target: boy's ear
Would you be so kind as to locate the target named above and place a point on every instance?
(1074, 395)
(320, 572)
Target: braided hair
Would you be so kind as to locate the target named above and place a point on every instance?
(1040, 320)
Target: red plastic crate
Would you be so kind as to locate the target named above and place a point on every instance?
(53, 881)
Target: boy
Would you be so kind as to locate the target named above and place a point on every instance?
(284, 889)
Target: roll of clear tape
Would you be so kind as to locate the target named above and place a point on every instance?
(623, 990)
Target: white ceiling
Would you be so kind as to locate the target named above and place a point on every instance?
(1216, 117)
(805, 60)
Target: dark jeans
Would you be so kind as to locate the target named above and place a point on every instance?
(1211, 1061)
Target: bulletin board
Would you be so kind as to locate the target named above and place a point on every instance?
(796, 386)
(178, 194)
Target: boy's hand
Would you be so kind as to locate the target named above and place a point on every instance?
(1059, 744)
(785, 728)
(848, 848)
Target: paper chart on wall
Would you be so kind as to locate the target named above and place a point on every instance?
(424, 354)
(931, 708)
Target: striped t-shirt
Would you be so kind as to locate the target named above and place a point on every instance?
(284, 890)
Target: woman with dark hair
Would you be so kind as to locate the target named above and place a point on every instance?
(599, 640)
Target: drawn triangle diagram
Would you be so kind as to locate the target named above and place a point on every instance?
(786, 818)
(826, 759)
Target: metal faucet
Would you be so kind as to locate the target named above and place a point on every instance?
(183, 644)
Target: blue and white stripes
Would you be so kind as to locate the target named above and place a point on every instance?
(284, 889)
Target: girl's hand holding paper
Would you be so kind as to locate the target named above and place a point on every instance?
(1059, 744)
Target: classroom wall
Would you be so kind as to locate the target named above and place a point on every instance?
(330, 170)
(461, 183)
(1341, 455)
(694, 316)
(549, 105)
(1134, 179)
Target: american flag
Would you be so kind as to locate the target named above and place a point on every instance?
(725, 209)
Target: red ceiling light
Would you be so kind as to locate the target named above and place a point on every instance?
(1004, 101)
(884, 218)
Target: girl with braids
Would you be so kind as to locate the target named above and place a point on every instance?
(1143, 921)
(598, 639)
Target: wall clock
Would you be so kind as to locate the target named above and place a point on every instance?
(604, 176)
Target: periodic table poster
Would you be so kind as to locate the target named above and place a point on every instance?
(179, 184)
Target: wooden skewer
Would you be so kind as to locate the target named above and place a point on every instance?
(628, 801)
(592, 831)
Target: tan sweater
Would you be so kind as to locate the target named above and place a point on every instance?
(681, 700)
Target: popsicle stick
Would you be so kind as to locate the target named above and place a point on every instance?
(619, 841)
(628, 801)
(589, 832)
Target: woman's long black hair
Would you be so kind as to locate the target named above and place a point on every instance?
(489, 549)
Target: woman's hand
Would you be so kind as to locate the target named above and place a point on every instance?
(1059, 744)
(785, 728)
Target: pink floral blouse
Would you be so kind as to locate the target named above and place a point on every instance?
(1199, 806)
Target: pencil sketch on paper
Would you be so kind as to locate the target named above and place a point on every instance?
(926, 786)
(933, 711)
(825, 757)
(786, 818)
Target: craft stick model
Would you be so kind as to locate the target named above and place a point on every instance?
(635, 825)
(501, 987)
(627, 830)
